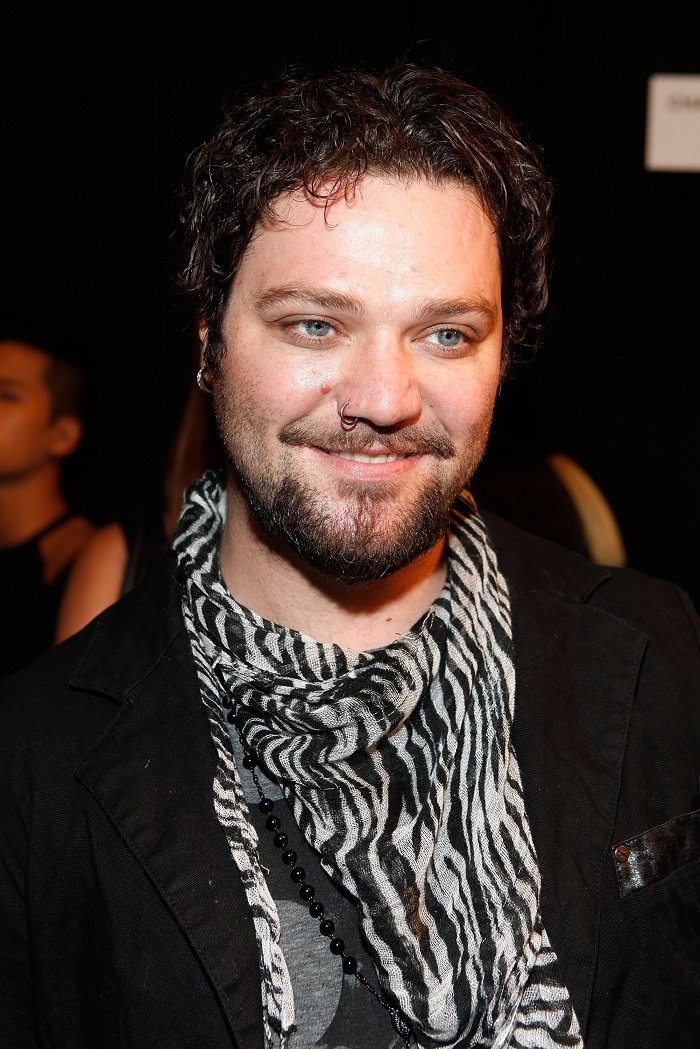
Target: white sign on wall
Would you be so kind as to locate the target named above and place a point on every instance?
(672, 141)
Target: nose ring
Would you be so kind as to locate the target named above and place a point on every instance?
(348, 422)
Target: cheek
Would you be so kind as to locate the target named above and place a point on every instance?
(287, 386)
(18, 427)
(272, 396)
(310, 379)
(466, 405)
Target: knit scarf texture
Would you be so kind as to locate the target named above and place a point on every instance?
(399, 769)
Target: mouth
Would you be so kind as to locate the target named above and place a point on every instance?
(368, 465)
(370, 447)
(374, 460)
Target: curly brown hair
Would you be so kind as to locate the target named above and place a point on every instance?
(322, 133)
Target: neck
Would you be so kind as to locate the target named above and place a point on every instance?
(278, 585)
(28, 504)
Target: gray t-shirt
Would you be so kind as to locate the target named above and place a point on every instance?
(333, 1010)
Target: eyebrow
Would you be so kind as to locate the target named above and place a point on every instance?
(310, 295)
(331, 300)
(446, 308)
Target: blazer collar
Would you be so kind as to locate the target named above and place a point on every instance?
(152, 773)
(577, 666)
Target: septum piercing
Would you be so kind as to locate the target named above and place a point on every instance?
(348, 422)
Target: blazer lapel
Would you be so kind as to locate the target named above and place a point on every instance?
(152, 773)
(576, 673)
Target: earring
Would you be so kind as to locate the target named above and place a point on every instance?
(204, 381)
(348, 422)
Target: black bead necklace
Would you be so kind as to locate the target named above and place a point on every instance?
(307, 892)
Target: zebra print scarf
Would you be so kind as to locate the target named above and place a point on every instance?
(399, 769)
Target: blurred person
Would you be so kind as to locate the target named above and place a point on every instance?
(357, 764)
(42, 390)
(552, 495)
(118, 554)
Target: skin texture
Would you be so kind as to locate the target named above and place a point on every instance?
(30, 438)
(390, 301)
(33, 445)
(95, 580)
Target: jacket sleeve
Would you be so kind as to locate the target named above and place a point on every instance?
(16, 1011)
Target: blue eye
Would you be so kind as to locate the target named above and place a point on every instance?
(449, 337)
(316, 328)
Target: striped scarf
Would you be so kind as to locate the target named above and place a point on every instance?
(400, 772)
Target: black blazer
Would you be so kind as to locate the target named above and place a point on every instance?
(123, 922)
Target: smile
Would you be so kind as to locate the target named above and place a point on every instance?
(360, 457)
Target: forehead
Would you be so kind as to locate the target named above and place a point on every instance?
(23, 363)
(399, 234)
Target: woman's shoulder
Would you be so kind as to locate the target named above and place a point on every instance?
(95, 579)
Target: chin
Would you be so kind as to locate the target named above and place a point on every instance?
(367, 538)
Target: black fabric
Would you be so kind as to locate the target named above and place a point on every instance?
(28, 605)
(139, 936)
(113, 864)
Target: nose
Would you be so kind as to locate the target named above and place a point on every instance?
(379, 385)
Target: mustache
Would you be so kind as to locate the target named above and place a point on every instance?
(411, 439)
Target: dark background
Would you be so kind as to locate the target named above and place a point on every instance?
(100, 111)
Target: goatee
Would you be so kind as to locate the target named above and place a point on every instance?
(354, 548)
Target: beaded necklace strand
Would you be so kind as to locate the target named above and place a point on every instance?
(307, 892)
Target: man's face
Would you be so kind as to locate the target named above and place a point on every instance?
(29, 436)
(390, 302)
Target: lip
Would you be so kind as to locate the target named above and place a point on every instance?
(371, 465)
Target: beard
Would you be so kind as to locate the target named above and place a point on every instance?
(356, 547)
(373, 533)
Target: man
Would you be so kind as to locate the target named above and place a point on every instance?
(358, 765)
(41, 426)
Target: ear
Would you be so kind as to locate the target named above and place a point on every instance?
(203, 333)
(67, 433)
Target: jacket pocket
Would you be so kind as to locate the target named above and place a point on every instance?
(651, 856)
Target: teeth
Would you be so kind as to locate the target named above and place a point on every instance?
(357, 457)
